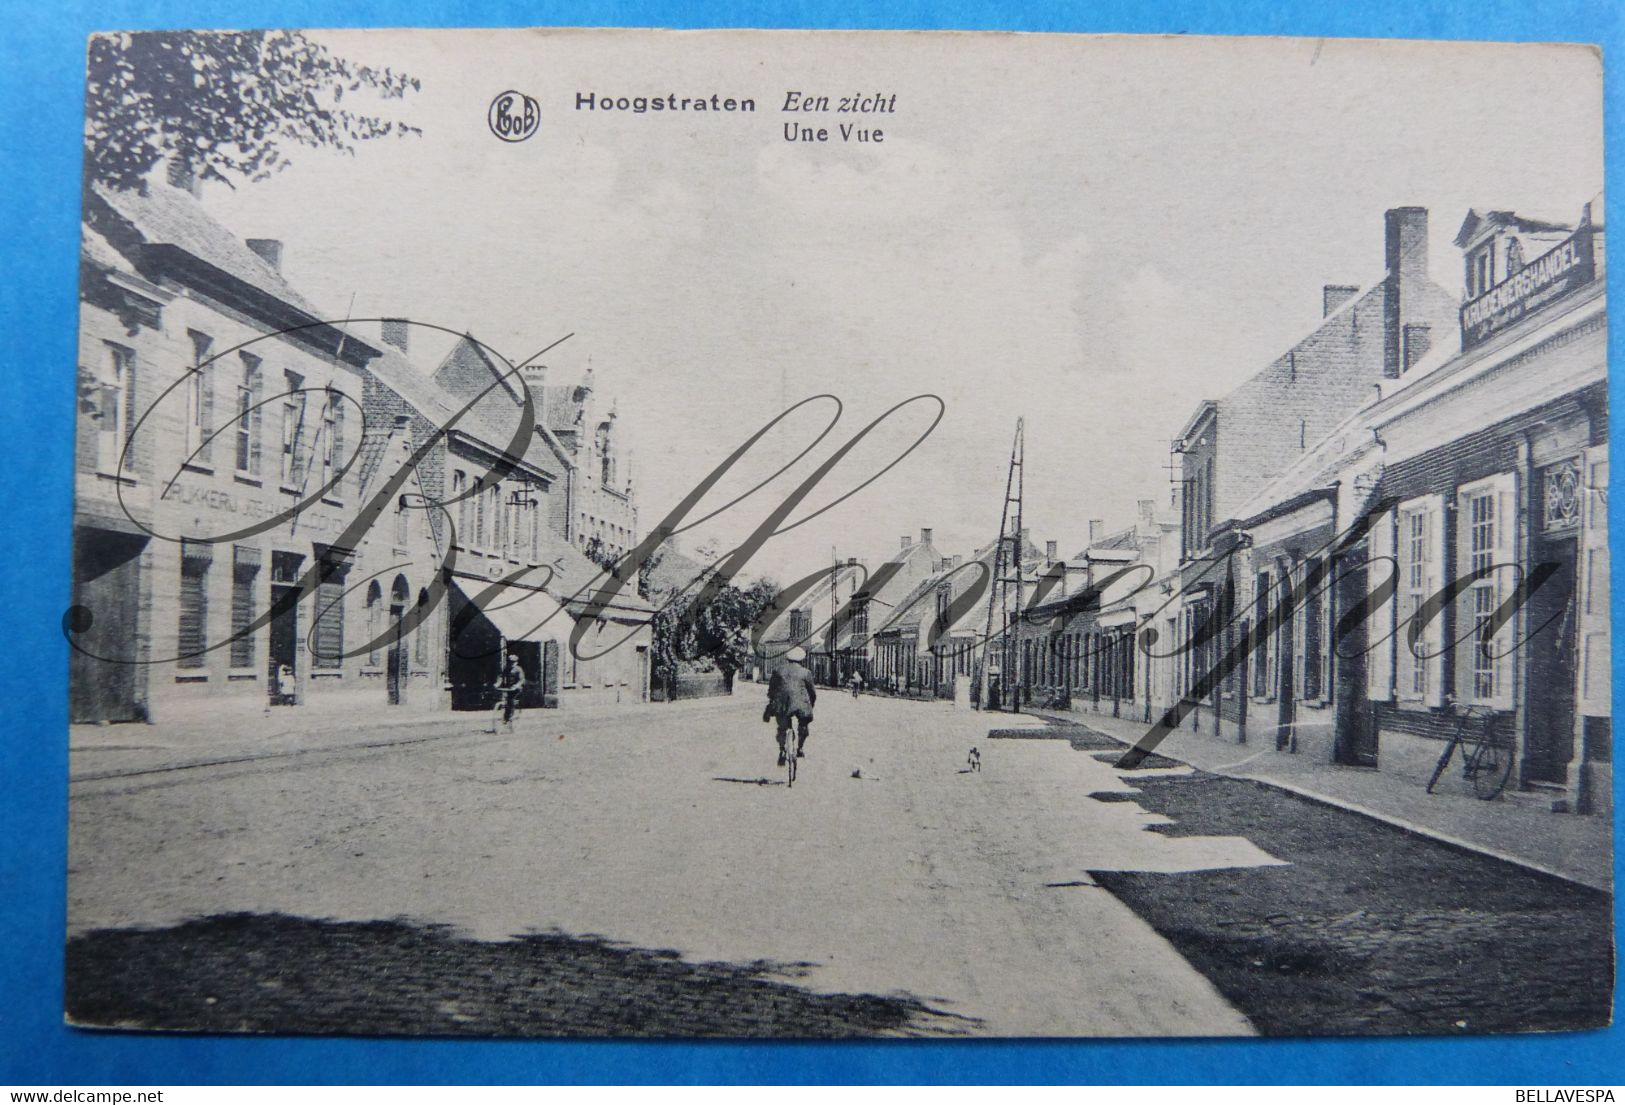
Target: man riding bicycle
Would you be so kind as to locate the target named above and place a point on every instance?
(790, 698)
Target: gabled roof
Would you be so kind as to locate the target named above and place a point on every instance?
(167, 229)
(467, 346)
(1475, 221)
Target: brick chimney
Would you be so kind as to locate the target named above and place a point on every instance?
(393, 331)
(1049, 552)
(1147, 512)
(954, 560)
(269, 250)
(180, 174)
(1097, 530)
(1333, 296)
(925, 536)
(1406, 254)
(907, 540)
(1416, 339)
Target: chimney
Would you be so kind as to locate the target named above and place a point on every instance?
(925, 537)
(269, 249)
(393, 331)
(181, 175)
(1097, 530)
(907, 540)
(1417, 340)
(851, 562)
(955, 561)
(1049, 552)
(1333, 296)
(1148, 512)
(1405, 250)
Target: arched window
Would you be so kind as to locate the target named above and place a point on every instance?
(375, 602)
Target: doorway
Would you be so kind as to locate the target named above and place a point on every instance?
(1551, 648)
(395, 664)
(282, 658)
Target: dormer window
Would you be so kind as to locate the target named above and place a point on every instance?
(1482, 270)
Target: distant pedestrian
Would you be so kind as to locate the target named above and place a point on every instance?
(790, 699)
(857, 684)
(974, 759)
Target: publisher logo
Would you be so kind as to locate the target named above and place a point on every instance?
(513, 116)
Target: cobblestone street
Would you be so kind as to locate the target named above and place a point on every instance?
(651, 875)
(655, 853)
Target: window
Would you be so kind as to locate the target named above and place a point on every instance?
(375, 603)
(293, 433)
(193, 631)
(1262, 628)
(1314, 658)
(245, 571)
(1413, 559)
(1418, 648)
(479, 517)
(248, 417)
(333, 436)
(606, 458)
(115, 406)
(535, 511)
(459, 489)
(1486, 527)
(200, 401)
(402, 521)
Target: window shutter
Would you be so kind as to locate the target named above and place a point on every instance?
(1432, 641)
(1596, 684)
(1379, 667)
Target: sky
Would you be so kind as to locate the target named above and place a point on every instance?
(1092, 234)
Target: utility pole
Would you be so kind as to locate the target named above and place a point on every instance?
(1005, 597)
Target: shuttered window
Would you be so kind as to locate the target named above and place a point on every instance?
(328, 643)
(245, 572)
(192, 637)
(1314, 657)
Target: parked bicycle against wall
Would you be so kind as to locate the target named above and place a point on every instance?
(1486, 756)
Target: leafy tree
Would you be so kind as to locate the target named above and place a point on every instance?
(224, 103)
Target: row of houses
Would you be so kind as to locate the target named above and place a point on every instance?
(1393, 532)
(275, 510)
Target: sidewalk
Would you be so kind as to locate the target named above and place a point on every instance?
(200, 738)
(1578, 848)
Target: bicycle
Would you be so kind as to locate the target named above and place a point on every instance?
(1486, 758)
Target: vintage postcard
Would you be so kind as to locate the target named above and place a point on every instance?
(814, 534)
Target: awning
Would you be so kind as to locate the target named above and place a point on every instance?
(521, 613)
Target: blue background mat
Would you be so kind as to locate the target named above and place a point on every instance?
(42, 50)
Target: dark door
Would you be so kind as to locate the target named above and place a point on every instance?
(282, 658)
(1356, 738)
(1285, 693)
(396, 659)
(1550, 644)
(106, 591)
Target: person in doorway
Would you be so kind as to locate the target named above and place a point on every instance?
(790, 700)
(509, 684)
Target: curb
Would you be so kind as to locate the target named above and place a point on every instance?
(1403, 824)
